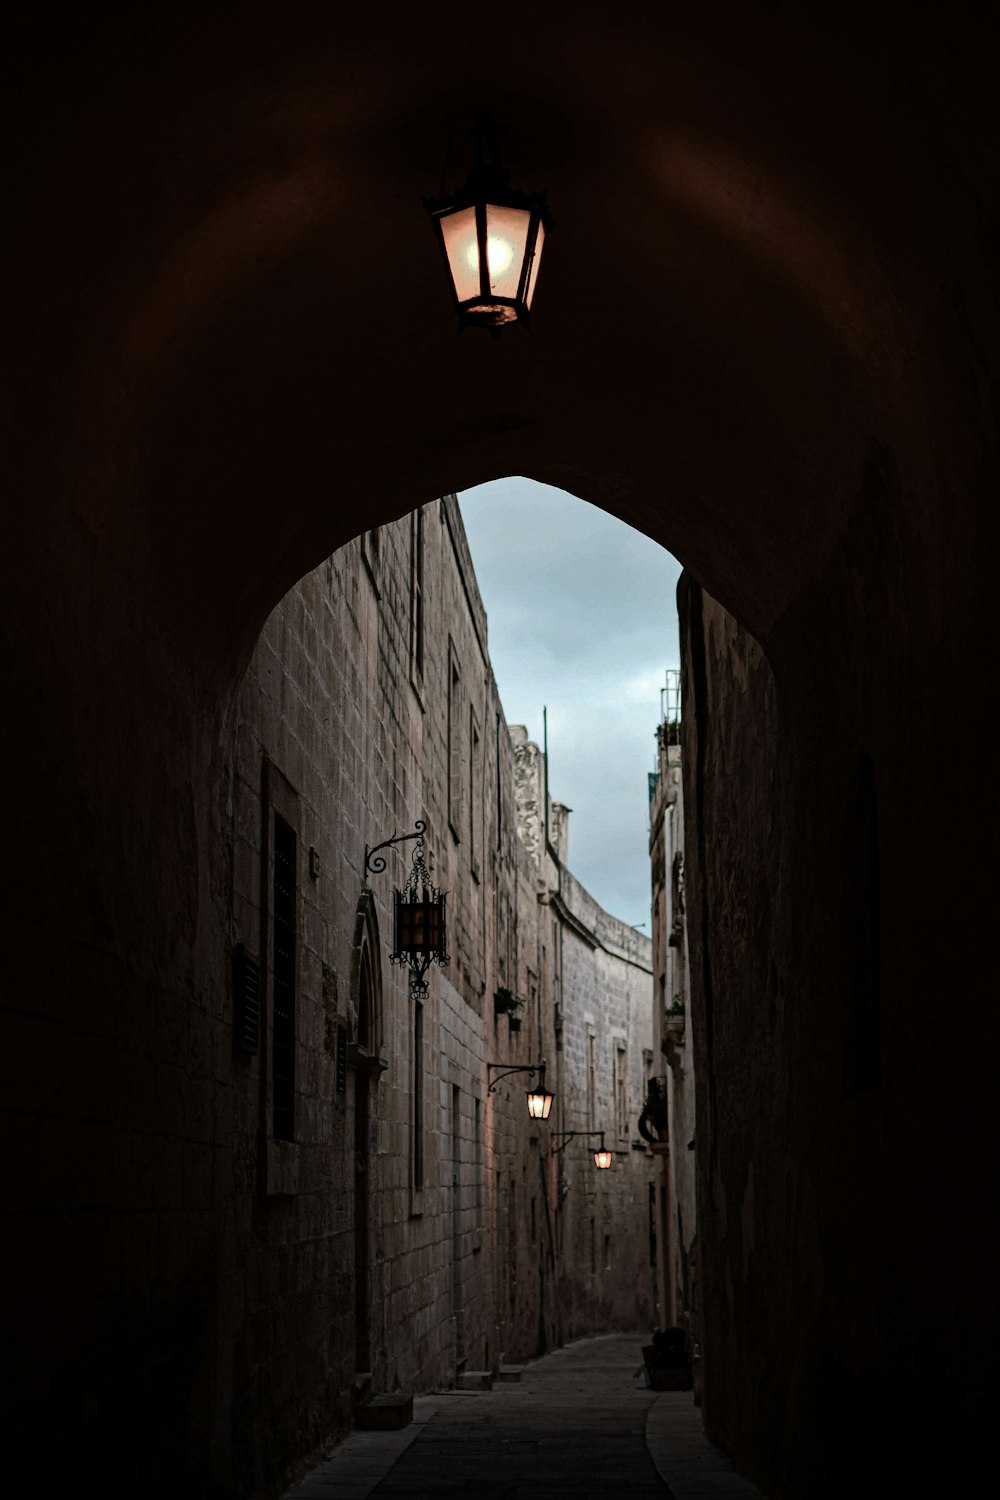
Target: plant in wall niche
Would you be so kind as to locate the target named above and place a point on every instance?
(506, 1003)
(676, 1007)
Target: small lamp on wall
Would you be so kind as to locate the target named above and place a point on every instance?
(602, 1156)
(539, 1098)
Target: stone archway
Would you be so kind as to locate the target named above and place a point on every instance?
(766, 334)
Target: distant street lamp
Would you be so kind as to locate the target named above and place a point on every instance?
(491, 237)
(539, 1098)
(602, 1156)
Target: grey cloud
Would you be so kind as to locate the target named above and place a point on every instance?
(582, 617)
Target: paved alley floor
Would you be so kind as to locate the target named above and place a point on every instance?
(580, 1423)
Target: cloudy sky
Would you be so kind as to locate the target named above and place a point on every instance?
(583, 618)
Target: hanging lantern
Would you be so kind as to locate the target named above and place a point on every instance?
(419, 923)
(602, 1156)
(539, 1099)
(491, 237)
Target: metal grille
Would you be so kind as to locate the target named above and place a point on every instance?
(246, 999)
(283, 999)
(341, 1057)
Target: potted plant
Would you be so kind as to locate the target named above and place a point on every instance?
(505, 1002)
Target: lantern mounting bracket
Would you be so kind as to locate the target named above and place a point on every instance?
(375, 862)
(538, 1068)
(568, 1135)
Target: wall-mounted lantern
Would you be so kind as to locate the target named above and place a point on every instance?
(602, 1156)
(419, 915)
(539, 1098)
(491, 237)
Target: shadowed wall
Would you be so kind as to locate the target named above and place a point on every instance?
(766, 335)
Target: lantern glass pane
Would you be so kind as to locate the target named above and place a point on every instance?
(418, 931)
(602, 1159)
(539, 1104)
(462, 250)
(535, 263)
(402, 925)
(506, 242)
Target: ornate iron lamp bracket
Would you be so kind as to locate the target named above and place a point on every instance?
(375, 862)
(538, 1068)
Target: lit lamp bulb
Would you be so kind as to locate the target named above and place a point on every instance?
(499, 254)
(602, 1159)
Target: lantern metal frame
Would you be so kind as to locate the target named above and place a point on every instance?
(539, 1091)
(568, 1135)
(418, 895)
(487, 186)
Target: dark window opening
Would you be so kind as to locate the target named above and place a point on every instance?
(418, 1095)
(863, 1050)
(454, 747)
(474, 794)
(417, 593)
(366, 1000)
(283, 1002)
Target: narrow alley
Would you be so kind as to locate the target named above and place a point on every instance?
(332, 1073)
(575, 1422)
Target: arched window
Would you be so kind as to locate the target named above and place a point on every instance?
(366, 982)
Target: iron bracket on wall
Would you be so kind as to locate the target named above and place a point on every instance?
(375, 862)
(570, 1135)
(538, 1068)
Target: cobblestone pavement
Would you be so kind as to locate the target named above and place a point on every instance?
(580, 1424)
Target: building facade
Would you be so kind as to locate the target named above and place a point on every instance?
(401, 1222)
(670, 1109)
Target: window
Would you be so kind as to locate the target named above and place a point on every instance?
(417, 1095)
(475, 791)
(417, 596)
(591, 1081)
(366, 982)
(283, 988)
(556, 955)
(478, 1126)
(621, 1098)
(371, 553)
(863, 1059)
(454, 745)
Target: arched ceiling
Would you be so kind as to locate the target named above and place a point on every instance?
(238, 348)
